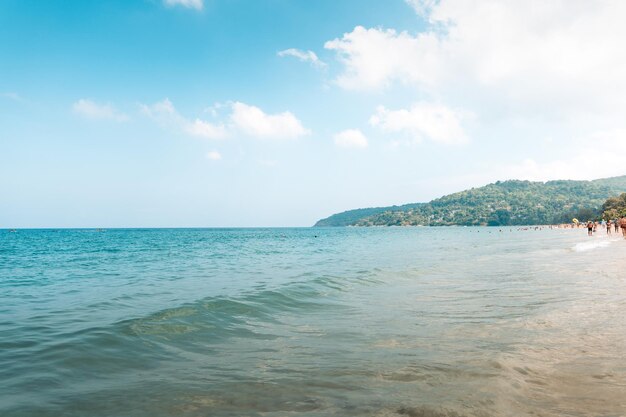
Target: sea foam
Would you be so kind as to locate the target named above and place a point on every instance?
(595, 244)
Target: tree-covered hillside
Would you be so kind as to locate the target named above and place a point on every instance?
(614, 207)
(503, 203)
(350, 217)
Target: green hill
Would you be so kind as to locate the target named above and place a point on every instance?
(502, 203)
(351, 217)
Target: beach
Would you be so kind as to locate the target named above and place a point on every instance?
(415, 321)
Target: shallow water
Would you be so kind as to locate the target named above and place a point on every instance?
(312, 322)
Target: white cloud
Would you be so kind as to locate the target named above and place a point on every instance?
(205, 129)
(304, 56)
(423, 120)
(350, 138)
(191, 4)
(528, 56)
(525, 69)
(244, 118)
(422, 7)
(375, 57)
(164, 113)
(214, 109)
(600, 155)
(214, 156)
(252, 121)
(160, 109)
(95, 111)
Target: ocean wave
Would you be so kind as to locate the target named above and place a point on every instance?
(595, 244)
(239, 316)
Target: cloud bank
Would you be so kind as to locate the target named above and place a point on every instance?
(530, 53)
(517, 69)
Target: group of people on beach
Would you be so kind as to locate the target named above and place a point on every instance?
(609, 225)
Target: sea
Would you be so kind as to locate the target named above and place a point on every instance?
(395, 321)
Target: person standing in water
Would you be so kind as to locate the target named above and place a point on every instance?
(622, 224)
(589, 228)
(608, 227)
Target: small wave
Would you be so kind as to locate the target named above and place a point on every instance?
(587, 246)
(245, 316)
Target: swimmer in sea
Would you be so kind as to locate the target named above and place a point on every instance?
(590, 228)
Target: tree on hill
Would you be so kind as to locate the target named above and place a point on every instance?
(614, 207)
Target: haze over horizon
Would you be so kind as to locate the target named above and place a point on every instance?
(175, 113)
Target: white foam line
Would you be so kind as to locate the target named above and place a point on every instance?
(594, 244)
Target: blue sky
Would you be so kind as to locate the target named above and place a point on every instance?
(277, 113)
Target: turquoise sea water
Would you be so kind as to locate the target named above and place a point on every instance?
(312, 322)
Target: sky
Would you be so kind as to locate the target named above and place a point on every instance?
(238, 113)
